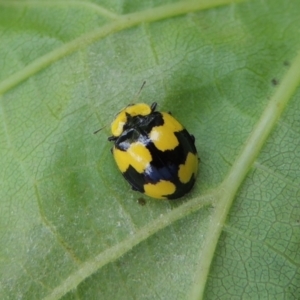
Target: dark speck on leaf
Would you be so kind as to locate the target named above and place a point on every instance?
(141, 201)
(275, 81)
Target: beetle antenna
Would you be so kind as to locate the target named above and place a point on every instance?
(139, 92)
(100, 129)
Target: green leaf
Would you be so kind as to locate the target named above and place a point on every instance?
(70, 225)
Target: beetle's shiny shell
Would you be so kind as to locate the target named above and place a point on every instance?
(154, 152)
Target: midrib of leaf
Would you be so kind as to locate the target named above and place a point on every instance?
(239, 170)
(120, 23)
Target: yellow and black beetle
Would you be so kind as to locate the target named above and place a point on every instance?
(154, 152)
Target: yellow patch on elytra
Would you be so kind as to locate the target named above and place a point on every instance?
(171, 122)
(189, 168)
(163, 136)
(136, 155)
(160, 188)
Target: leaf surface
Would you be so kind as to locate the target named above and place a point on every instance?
(70, 225)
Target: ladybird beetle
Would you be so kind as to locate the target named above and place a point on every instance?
(154, 152)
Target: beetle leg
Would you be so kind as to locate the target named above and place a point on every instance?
(112, 138)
